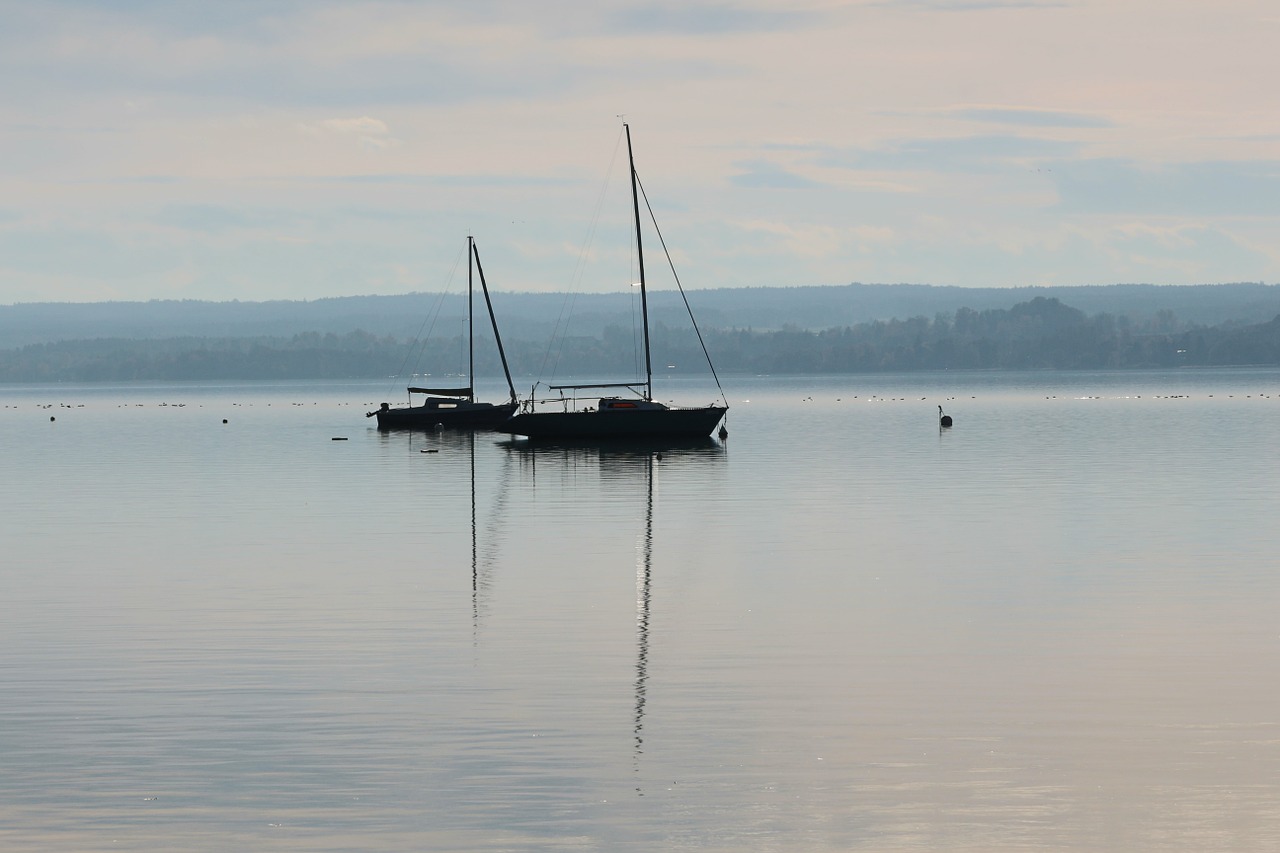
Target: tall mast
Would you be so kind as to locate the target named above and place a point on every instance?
(471, 338)
(644, 298)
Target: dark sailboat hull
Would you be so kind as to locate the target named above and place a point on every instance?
(464, 415)
(617, 424)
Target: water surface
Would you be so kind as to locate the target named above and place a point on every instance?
(1051, 626)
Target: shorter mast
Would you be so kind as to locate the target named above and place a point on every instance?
(471, 334)
(644, 299)
(493, 320)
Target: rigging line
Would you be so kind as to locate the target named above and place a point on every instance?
(561, 328)
(680, 287)
(419, 343)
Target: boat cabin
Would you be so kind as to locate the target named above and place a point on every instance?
(618, 404)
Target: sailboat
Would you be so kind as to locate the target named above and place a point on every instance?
(615, 417)
(456, 407)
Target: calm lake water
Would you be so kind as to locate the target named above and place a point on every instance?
(1051, 627)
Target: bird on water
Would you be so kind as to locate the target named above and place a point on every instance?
(943, 419)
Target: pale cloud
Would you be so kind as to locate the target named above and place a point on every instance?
(971, 5)
(705, 19)
(1027, 116)
(1176, 236)
(954, 154)
(816, 241)
(371, 134)
(363, 125)
(765, 174)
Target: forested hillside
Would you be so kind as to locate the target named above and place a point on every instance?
(537, 316)
(1041, 333)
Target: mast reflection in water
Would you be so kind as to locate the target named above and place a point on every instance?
(446, 449)
(617, 463)
(644, 577)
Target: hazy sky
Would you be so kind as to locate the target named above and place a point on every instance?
(251, 149)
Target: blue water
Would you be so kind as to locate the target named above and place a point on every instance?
(1050, 627)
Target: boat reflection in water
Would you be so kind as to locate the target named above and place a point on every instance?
(629, 461)
(487, 536)
(622, 454)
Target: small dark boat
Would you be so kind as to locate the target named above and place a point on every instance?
(639, 417)
(443, 410)
(456, 407)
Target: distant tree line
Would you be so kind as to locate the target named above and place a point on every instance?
(1042, 333)
(537, 316)
(306, 356)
